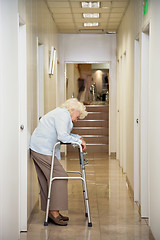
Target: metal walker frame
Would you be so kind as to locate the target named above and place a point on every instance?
(82, 177)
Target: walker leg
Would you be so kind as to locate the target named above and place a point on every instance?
(89, 224)
(84, 192)
(50, 184)
(47, 211)
(48, 200)
(86, 198)
(45, 223)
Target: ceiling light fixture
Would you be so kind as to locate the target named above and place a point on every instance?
(90, 15)
(91, 30)
(91, 24)
(111, 32)
(52, 56)
(90, 4)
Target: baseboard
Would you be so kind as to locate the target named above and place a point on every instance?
(33, 211)
(130, 188)
(139, 208)
(132, 195)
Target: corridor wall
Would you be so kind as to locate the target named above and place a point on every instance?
(154, 119)
(134, 23)
(9, 168)
(125, 49)
(39, 23)
(90, 48)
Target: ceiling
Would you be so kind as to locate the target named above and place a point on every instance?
(67, 15)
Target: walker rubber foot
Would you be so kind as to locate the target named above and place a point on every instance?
(45, 223)
(90, 224)
(86, 214)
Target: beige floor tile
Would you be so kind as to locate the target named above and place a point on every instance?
(125, 232)
(114, 215)
(37, 234)
(75, 232)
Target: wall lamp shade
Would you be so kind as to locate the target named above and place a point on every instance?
(52, 57)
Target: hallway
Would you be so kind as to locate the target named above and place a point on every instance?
(113, 212)
(38, 38)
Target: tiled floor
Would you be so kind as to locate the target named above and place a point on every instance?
(114, 214)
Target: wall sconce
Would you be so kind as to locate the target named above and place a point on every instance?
(52, 57)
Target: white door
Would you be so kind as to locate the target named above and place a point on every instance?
(123, 111)
(22, 126)
(120, 114)
(40, 80)
(118, 107)
(136, 119)
(144, 123)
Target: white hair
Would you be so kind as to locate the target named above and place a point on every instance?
(72, 104)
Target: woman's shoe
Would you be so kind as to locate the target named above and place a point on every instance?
(64, 218)
(56, 220)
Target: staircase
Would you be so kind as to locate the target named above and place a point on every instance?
(94, 128)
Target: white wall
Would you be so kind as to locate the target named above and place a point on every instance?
(39, 23)
(9, 110)
(125, 43)
(90, 48)
(35, 15)
(132, 27)
(154, 119)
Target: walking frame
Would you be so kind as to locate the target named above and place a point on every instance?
(82, 177)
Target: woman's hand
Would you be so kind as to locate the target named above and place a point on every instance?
(83, 144)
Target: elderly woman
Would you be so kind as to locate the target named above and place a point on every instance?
(55, 125)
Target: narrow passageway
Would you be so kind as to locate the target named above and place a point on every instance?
(114, 214)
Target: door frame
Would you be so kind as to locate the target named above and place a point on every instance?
(136, 118)
(23, 145)
(88, 62)
(40, 80)
(124, 114)
(121, 112)
(118, 115)
(144, 188)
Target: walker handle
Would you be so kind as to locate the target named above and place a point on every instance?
(62, 143)
(73, 143)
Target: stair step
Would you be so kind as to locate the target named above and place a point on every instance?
(97, 116)
(91, 123)
(95, 139)
(97, 108)
(94, 147)
(90, 130)
(94, 129)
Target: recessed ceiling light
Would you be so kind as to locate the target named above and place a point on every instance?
(91, 15)
(91, 24)
(106, 7)
(111, 32)
(90, 4)
(91, 30)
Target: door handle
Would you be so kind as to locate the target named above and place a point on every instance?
(22, 127)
